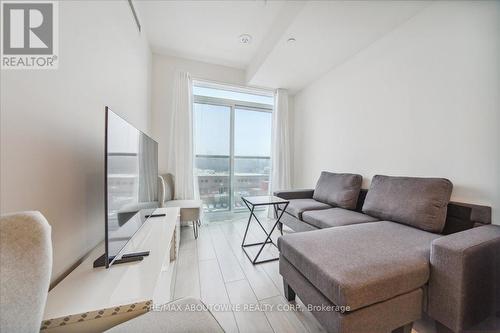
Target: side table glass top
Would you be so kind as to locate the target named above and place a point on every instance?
(262, 200)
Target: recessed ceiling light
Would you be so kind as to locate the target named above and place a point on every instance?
(245, 39)
(291, 40)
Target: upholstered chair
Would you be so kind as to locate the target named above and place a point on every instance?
(26, 264)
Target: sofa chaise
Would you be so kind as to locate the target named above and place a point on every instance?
(374, 261)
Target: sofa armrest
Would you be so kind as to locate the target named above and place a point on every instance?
(295, 194)
(464, 283)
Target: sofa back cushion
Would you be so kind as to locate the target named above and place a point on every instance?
(418, 202)
(338, 189)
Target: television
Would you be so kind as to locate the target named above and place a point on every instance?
(131, 195)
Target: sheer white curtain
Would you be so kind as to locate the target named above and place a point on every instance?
(181, 152)
(281, 174)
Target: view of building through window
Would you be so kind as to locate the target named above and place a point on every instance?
(232, 131)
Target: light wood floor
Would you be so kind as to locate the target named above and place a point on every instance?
(215, 269)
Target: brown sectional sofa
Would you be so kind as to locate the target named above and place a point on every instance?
(378, 259)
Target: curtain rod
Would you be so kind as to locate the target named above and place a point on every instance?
(263, 91)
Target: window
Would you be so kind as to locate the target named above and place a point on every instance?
(212, 124)
(232, 135)
(233, 95)
(252, 152)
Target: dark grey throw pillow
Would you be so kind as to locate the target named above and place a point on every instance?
(419, 202)
(338, 189)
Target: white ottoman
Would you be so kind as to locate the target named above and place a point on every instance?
(190, 212)
(190, 209)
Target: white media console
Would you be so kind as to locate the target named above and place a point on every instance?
(94, 299)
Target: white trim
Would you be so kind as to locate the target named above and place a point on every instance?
(232, 103)
(233, 87)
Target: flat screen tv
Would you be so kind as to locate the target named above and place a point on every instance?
(131, 175)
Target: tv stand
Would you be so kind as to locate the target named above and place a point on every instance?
(129, 257)
(96, 299)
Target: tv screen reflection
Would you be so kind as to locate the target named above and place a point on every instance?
(132, 171)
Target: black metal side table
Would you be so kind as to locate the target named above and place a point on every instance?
(256, 201)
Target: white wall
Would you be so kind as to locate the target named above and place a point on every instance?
(422, 101)
(163, 70)
(52, 123)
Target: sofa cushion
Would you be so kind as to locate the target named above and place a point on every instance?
(338, 189)
(297, 206)
(419, 202)
(335, 217)
(359, 265)
(381, 317)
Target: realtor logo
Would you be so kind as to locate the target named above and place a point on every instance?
(29, 35)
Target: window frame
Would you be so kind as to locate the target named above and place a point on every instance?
(233, 105)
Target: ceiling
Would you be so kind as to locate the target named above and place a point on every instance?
(208, 30)
(327, 33)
